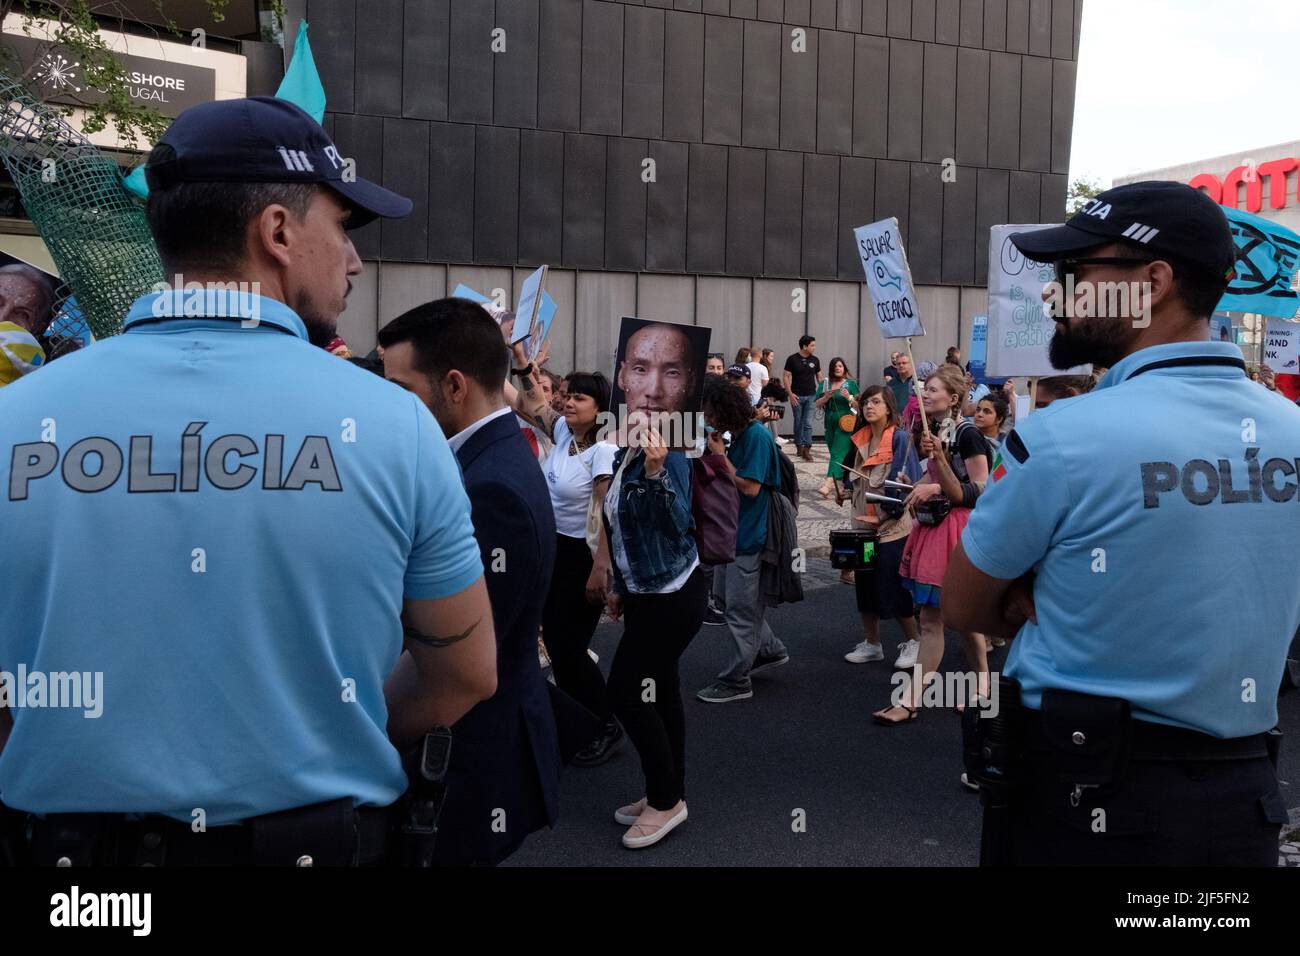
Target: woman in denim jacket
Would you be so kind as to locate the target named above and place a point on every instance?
(662, 592)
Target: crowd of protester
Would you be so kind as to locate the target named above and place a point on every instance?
(489, 501)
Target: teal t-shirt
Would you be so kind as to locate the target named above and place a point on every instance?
(754, 455)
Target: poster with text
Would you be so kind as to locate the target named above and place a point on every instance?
(1282, 346)
(1019, 328)
(889, 278)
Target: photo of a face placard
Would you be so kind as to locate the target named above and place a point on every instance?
(659, 381)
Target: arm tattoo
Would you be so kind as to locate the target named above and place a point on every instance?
(431, 641)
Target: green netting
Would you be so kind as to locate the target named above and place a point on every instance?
(96, 233)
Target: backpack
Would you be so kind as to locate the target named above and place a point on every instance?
(715, 506)
(789, 480)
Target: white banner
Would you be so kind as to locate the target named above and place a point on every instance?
(1019, 330)
(888, 278)
(1282, 346)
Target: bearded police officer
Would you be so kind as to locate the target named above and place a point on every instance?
(1134, 540)
(214, 525)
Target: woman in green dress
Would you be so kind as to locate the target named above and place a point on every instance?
(837, 395)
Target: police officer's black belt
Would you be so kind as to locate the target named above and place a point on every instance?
(1158, 743)
(324, 834)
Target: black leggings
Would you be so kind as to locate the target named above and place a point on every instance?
(656, 631)
(568, 623)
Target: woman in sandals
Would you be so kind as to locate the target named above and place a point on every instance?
(837, 396)
(957, 464)
(661, 591)
(577, 472)
(882, 451)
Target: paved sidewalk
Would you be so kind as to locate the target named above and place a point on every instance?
(817, 517)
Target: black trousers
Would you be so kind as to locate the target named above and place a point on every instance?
(1196, 813)
(657, 628)
(568, 623)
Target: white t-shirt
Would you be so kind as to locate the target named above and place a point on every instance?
(757, 379)
(569, 478)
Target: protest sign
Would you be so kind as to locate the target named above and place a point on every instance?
(542, 327)
(1019, 330)
(1267, 257)
(529, 300)
(1282, 346)
(889, 278)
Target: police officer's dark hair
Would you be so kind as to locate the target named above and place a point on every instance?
(805, 339)
(1199, 288)
(452, 334)
(201, 226)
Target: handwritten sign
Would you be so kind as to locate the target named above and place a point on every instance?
(1019, 330)
(889, 278)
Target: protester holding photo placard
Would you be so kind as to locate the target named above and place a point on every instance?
(661, 591)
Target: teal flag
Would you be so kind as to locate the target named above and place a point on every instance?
(1267, 258)
(301, 86)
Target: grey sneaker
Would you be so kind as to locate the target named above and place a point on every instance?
(720, 693)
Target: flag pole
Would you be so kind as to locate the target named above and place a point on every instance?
(916, 386)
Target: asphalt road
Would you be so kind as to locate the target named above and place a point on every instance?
(871, 796)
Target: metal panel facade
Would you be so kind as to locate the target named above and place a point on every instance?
(736, 138)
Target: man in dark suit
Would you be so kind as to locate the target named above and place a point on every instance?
(505, 759)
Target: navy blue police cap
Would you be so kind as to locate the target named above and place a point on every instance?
(263, 140)
(1172, 221)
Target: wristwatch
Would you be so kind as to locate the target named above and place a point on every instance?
(523, 372)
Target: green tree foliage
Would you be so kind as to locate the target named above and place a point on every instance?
(1081, 190)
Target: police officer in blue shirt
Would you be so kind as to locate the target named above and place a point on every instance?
(1127, 539)
(217, 531)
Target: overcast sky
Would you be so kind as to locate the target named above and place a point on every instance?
(1163, 82)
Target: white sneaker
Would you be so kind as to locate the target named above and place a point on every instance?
(782, 441)
(864, 653)
(907, 652)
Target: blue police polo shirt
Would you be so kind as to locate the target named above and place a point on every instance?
(222, 521)
(1158, 513)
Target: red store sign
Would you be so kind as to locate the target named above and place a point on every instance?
(1227, 191)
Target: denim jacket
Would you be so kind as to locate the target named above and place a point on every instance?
(655, 521)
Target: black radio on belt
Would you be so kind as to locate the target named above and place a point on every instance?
(932, 511)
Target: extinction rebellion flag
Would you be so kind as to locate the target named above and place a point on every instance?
(1267, 258)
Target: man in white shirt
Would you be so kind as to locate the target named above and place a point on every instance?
(758, 377)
